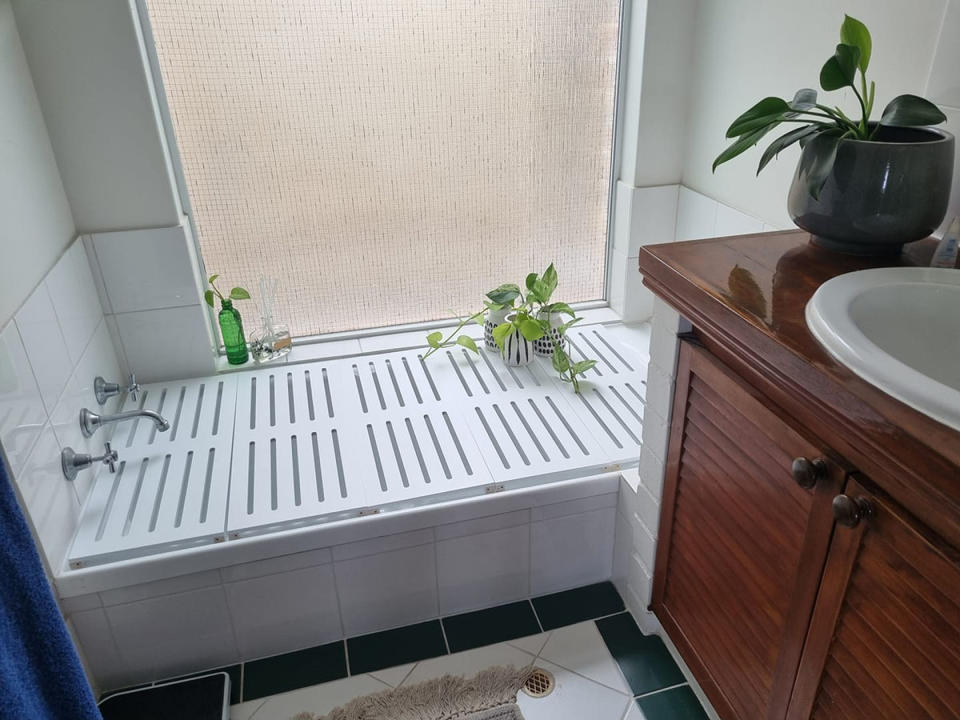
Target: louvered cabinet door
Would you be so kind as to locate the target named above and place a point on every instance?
(884, 639)
(741, 544)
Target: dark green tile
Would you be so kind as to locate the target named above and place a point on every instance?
(573, 606)
(644, 659)
(677, 704)
(486, 627)
(396, 647)
(283, 673)
(233, 671)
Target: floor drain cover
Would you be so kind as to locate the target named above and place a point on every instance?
(539, 684)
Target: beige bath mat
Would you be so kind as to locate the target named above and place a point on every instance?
(489, 695)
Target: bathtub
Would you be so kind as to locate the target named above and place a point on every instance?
(292, 478)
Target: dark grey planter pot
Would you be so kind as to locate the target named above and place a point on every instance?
(881, 194)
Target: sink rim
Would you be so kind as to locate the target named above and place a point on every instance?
(841, 337)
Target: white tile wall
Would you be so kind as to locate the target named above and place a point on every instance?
(483, 570)
(166, 344)
(149, 283)
(22, 414)
(265, 607)
(283, 612)
(638, 510)
(46, 349)
(146, 269)
(388, 589)
(572, 550)
(943, 86)
(49, 355)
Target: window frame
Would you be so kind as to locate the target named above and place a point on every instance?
(624, 41)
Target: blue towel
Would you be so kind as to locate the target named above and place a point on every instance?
(40, 674)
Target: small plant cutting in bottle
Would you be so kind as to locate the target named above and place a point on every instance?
(231, 324)
(828, 125)
(528, 317)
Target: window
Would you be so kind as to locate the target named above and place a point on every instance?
(389, 162)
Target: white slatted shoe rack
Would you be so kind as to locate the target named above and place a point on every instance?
(298, 444)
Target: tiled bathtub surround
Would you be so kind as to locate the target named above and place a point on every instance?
(220, 617)
(49, 354)
(601, 661)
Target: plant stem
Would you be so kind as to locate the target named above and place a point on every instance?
(453, 334)
(838, 117)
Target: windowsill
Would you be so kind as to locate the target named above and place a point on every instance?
(337, 347)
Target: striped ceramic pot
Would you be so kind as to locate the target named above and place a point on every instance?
(490, 321)
(517, 350)
(544, 345)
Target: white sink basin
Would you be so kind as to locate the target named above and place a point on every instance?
(898, 329)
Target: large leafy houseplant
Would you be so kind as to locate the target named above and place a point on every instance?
(823, 123)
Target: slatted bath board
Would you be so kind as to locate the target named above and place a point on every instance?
(298, 444)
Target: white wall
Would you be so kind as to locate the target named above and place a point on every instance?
(747, 49)
(91, 76)
(37, 225)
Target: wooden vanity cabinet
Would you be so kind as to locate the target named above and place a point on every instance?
(742, 543)
(780, 611)
(884, 639)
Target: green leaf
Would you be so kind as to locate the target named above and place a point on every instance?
(531, 278)
(501, 332)
(804, 99)
(560, 307)
(541, 291)
(840, 70)
(550, 279)
(855, 33)
(212, 278)
(579, 368)
(763, 113)
(208, 296)
(239, 293)
(817, 161)
(468, 343)
(785, 141)
(742, 144)
(911, 111)
(531, 329)
(560, 359)
(434, 339)
(505, 294)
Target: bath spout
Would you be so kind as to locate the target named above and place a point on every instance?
(90, 421)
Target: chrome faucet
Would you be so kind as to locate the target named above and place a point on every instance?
(105, 390)
(90, 421)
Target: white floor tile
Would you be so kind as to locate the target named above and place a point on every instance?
(469, 662)
(533, 644)
(395, 675)
(317, 699)
(580, 648)
(573, 697)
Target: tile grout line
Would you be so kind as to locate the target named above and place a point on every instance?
(661, 690)
(446, 642)
(535, 615)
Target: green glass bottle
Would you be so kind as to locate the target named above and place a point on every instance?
(231, 327)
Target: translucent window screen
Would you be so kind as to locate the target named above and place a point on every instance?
(390, 162)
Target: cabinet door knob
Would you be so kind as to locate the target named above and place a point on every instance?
(808, 473)
(849, 511)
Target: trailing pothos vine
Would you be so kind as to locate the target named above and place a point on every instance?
(529, 313)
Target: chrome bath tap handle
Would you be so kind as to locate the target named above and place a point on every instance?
(105, 390)
(73, 462)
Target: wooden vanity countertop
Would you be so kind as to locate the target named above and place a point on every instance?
(745, 296)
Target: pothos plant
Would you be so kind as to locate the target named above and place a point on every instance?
(237, 293)
(530, 315)
(828, 124)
